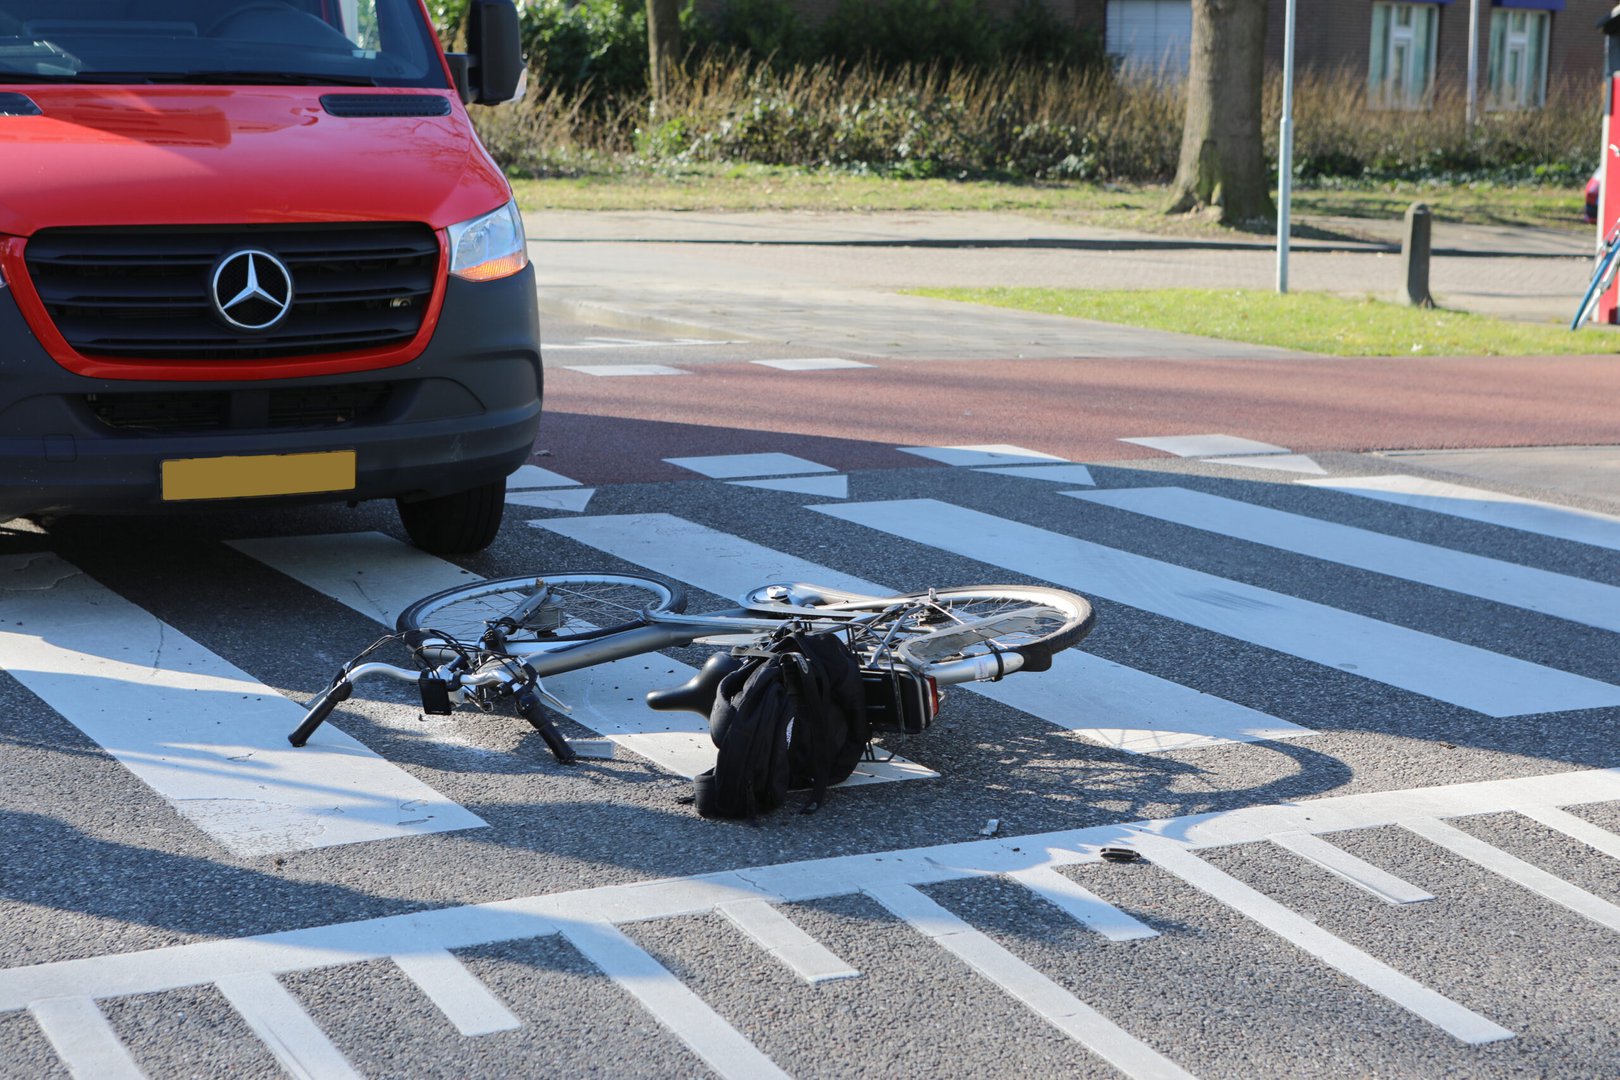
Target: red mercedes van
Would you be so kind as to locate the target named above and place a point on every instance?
(253, 251)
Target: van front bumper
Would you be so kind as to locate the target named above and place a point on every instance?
(461, 414)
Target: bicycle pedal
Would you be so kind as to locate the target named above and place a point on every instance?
(594, 748)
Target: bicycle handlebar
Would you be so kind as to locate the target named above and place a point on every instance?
(320, 709)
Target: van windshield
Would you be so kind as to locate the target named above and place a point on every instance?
(321, 42)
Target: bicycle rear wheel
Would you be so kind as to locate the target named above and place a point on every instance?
(948, 625)
(583, 605)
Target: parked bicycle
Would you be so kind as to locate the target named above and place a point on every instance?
(487, 642)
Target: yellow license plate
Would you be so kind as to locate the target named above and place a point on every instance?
(256, 475)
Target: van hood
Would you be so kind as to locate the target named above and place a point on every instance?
(167, 155)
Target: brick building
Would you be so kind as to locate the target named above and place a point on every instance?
(1403, 50)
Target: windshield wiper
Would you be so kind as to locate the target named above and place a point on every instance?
(81, 77)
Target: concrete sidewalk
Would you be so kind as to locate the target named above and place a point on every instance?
(830, 281)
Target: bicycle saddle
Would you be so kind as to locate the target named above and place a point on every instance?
(697, 693)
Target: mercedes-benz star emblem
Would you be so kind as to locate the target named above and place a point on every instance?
(252, 289)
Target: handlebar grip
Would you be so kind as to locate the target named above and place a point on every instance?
(529, 707)
(320, 709)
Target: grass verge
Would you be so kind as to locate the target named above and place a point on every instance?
(1136, 207)
(1308, 322)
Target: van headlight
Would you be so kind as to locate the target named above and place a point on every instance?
(489, 247)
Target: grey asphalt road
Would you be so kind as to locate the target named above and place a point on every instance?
(127, 923)
(1447, 736)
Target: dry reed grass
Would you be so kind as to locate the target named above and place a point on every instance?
(1020, 122)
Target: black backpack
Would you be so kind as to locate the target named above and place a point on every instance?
(793, 717)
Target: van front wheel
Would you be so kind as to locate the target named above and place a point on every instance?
(453, 524)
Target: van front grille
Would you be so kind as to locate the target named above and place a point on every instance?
(148, 292)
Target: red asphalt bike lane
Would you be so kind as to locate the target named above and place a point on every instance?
(618, 430)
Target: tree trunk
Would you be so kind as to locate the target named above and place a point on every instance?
(1223, 160)
(663, 44)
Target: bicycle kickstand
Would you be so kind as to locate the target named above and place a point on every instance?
(530, 708)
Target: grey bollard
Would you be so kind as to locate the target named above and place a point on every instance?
(1415, 258)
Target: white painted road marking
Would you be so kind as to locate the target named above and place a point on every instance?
(573, 500)
(1042, 996)
(1298, 463)
(730, 466)
(465, 1002)
(1489, 507)
(533, 476)
(828, 487)
(810, 364)
(1516, 870)
(1576, 828)
(202, 733)
(1103, 701)
(1199, 446)
(156, 970)
(1576, 599)
(370, 572)
(280, 1021)
(702, 1029)
(79, 1033)
(1358, 872)
(1449, 671)
(781, 937)
(1081, 904)
(612, 370)
(1460, 1023)
(1057, 474)
(379, 577)
(978, 456)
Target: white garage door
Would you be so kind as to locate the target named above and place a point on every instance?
(1150, 35)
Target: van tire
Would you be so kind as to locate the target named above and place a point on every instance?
(457, 523)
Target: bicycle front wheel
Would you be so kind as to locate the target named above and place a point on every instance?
(580, 606)
(945, 626)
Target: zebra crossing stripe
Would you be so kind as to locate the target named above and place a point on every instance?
(720, 1045)
(379, 577)
(1435, 667)
(206, 736)
(1590, 603)
(1516, 870)
(1576, 828)
(286, 1029)
(1045, 998)
(79, 1033)
(1488, 507)
(1103, 701)
(1082, 904)
(781, 937)
(368, 572)
(1456, 1020)
(980, 456)
(1204, 446)
(1358, 872)
(465, 1002)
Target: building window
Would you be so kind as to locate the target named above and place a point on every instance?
(1400, 68)
(1151, 37)
(1517, 72)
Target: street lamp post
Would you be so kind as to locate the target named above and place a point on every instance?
(1473, 60)
(1285, 152)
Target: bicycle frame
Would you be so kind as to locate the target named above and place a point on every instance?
(663, 630)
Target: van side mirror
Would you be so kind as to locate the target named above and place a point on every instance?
(491, 71)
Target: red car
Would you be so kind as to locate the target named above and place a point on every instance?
(1594, 188)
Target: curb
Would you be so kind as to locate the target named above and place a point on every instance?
(601, 314)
